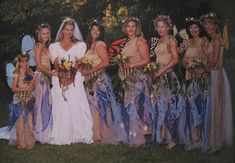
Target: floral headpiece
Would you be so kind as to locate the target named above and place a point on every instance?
(133, 19)
(23, 56)
(211, 16)
(68, 19)
(138, 25)
(43, 25)
(165, 18)
(191, 20)
(95, 21)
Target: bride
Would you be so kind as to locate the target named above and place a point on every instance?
(72, 120)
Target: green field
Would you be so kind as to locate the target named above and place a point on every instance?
(109, 153)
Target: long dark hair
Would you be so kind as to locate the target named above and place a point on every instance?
(101, 37)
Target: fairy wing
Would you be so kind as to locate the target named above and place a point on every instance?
(181, 38)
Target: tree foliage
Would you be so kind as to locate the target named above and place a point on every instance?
(24, 16)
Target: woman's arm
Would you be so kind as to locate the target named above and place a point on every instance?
(56, 64)
(217, 49)
(103, 54)
(16, 89)
(186, 59)
(38, 53)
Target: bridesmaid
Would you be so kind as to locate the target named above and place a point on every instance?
(137, 105)
(166, 93)
(220, 125)
(42, 112)
(106, 114)
(21, 109)
(197, 81)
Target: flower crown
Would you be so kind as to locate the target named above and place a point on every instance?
(23, 56)
(95, 21)
(43, 25)
(68, 19)
(132, 18)
(192, 20)
(210, 15)
(164, 18)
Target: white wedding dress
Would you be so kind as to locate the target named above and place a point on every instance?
(72, 120)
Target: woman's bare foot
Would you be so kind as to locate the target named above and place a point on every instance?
(170, 145)
(97, 142)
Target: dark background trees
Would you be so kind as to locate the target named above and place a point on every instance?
(22, 17)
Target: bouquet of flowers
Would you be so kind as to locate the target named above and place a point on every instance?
(196, 68)
(195, 63)
(84, 62)
(44, 77)
(121, 59)
(28, 76)
(150, 67)
(66, 72)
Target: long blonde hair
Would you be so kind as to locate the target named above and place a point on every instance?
(165, 19)
(138, 26)
(68, 21)
(38, 32)
(21, 57)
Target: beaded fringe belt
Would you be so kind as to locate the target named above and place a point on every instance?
(90, 76)
(123, 74)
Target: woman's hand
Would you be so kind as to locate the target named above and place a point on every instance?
(157, 74)
(85, 71)
(128, 65)
(132, 78)
(55, 73)
(198, 72)
(154, 76)
(30, 87)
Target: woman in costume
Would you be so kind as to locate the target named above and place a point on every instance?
(220, 123)
(197, 82)
(42, 112)
(20, 121)
(166, 93)
(108, 126)
(134, 54)
(72, 121)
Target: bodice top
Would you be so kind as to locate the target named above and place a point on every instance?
(92, 53)
(163, 53)
(45, 58)
(131, 50)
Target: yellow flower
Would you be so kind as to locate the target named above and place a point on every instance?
(85, 60)
(67, 65)
(124, 57)
(148, 65)
(118, 56)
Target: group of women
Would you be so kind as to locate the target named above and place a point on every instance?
(196, 113)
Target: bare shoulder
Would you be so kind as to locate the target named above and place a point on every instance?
(40, 45)
(141, 41)
(172, 41)
(100, 44)
(217, 41)
(15, 74)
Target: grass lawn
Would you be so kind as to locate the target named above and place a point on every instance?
(108, 153)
